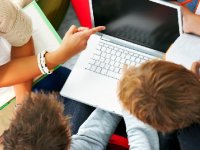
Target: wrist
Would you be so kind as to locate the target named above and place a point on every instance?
(56, 57)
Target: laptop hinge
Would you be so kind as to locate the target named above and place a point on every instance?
(132, 46)
(104, 38)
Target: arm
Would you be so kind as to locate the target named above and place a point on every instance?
(20, 52)
(24, 69)
(140, 135)
(191, 22)
(17, 30)
(95, 132)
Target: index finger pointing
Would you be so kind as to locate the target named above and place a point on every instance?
(94, 30)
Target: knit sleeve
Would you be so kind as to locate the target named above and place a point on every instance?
(15, 25)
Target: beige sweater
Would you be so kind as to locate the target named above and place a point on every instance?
(15, 26)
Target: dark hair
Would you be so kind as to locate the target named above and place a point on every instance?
(39, 125)
(162, 94)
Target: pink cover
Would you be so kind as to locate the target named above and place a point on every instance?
(82, 10)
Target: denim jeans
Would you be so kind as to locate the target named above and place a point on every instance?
(54, 82)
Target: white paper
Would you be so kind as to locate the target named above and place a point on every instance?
(185, 50)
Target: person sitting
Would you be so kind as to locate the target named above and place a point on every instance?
(167, 97)
(19, 64)
(40, 124)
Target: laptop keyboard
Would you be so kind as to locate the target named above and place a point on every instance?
(109, 59)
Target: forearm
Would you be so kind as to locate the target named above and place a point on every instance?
(140, 135)
(95, 131)
(26, 68)
(195, 27)
(21, 52)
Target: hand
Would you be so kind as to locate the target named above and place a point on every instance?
(191, 21)
(195, 68)
(75, 39)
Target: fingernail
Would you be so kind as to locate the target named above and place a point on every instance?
(103, 27)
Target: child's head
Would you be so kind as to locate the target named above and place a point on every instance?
(162, 94)
(38, 125)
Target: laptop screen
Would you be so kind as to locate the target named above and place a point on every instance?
(139, 21)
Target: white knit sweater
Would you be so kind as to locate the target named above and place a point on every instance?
(15, 26)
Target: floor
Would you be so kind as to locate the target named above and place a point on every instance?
(7, 113)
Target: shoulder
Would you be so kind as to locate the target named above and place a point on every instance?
(8, 14)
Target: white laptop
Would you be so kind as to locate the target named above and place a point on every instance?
(136, 31)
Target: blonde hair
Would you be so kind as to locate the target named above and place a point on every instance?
(162, 94)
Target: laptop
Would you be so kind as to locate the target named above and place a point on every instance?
(136, 31)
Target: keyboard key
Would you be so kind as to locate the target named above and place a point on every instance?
(93, 68)
(137, 60)
(113, 74)
(103, 54)
(103, 49)
(96, 57)
(121, 66)
(88, 66)
(101, 43)
(102, 65)
(122, 61)
(117, 64)
(107, 61)
(97, 63)
(133, 64)
(92, 61)
(108, 55)
(120, 50)
(98, 52)
(117, 70)
(111, 47)
(116, 49)
(111, 68)
(108, 50)
(112, 63)
(118, 53)
(102, 59)
(123, 55)
(107, 66)
(98, 70)
(141, 57)
(128, 56)
(104, 71)
(113, 57)
(135, 55)
(132, 58)
(98, 47)
(113, 52)
(118, 59)
(128, 62)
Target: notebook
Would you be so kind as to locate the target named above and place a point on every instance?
(136, 31)
(185, 50)
(45, 38)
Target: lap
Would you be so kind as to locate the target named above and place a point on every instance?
(54, 82)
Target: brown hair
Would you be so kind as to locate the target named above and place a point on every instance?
(39, 125)
(162, 94)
